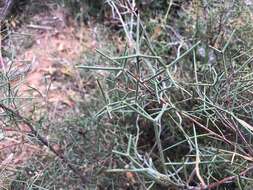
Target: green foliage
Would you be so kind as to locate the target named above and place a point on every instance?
(192, 110)
(176, 106)
(83, 8)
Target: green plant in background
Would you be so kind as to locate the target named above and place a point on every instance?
(192, 116)
(82, 9)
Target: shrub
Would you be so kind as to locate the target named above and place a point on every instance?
(191, 115)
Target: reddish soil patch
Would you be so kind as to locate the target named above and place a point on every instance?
(55, 48)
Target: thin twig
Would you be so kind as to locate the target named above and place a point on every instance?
(45, 142)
